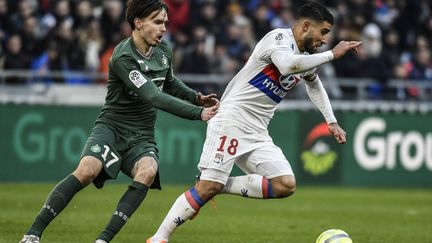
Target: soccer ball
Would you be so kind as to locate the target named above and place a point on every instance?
(334, 236)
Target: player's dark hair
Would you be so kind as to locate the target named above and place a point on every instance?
(315, 11)
(142, 8)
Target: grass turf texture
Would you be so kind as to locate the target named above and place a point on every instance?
(368, 215)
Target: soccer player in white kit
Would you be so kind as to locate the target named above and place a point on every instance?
(238, 133)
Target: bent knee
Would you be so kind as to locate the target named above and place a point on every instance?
(283, 186)
(145, 171)
(88, 169)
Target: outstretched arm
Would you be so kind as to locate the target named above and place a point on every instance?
(319, 97)
(290, 63)
(126, 69)
(177, 88)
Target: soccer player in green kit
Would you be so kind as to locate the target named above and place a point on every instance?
(140, 81)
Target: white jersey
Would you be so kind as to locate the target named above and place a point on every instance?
(253, 94)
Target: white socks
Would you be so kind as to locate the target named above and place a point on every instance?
(188, 203)
(180, 211)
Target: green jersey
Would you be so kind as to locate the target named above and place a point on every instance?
(138, 85)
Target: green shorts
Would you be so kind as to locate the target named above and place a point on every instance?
(119, 150)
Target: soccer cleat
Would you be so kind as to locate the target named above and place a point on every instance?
(149, 240)
(100, 241)
(30, 239)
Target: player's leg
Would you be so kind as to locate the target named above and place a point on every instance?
(97, 155)
(189, 203)
(88, 168)
(215, 165)
(144, 171)
(269, 175)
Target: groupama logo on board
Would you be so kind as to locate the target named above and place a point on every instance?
(317, 155)
(376, 146)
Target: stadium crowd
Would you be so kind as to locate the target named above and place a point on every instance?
(216, 36)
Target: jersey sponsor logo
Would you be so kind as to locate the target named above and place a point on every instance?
(137, 78)
(288, 82)
(272, 83)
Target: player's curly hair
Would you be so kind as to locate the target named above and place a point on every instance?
(142, 8)
(315, 11)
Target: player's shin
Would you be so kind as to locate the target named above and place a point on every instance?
(184, 208)
(57, 200)
(253, 185)
(127, 205)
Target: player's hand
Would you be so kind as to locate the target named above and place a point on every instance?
(338, 132)
(207, 100)
(209, 112)
(344, 46)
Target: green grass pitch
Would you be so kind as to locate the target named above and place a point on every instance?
(368, 215)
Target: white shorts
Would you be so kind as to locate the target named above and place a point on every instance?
(228, 143)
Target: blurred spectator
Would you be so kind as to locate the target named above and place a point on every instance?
(91, 42)
(48, 61)
(195, 61)
(26, 8)
(61, 14)
(5, 22)
(71, 55)
(111, 21)
(261, 21)
(15, 58)
(220, 34)
(385, 12)
(374, 63)
(106, 54)
(222, 63)
(180, 45)
(83, 15)
(391, 53)
(31, 36)
(208, 18)
(426, 27)
(420, 67)
(234, 44)
(369, 62)
(178, 14)
(284, 19)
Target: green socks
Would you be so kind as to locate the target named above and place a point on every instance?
(57, 200)
(127, 205)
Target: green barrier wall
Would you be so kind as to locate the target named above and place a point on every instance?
(388, 150)
(43, 143)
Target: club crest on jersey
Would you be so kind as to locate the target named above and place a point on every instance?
(137, 78)
(164, 60)
(95, 148)
(218, 158)
(272, 83)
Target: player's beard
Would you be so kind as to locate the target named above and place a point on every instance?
(308, 45)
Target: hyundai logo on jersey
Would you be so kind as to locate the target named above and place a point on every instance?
(272, 83)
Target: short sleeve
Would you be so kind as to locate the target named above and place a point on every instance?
(275, 40)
